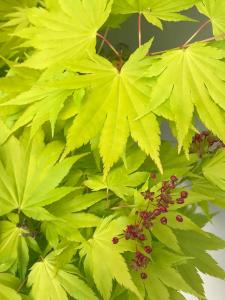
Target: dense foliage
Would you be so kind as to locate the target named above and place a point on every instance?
(93, 203)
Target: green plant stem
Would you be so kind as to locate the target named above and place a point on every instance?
(107, 198)
(196, 33)
(107, 42)
(139, 30)
(122, 206)
(22, 284)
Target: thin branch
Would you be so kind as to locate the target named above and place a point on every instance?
(107, 42)
(159, 52)
(139, 31)
(102, 42)
(222, 35)
(22, 284)
(196, 33)
(122, 206)
(107, 198)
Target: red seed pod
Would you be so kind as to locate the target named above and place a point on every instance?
(148, 195)
(172, 185)
(157, 212)
(180, 201)
(144, 276)
(115, 240)
(179, 218)
(145, 215)
(142, 237)
(163, 189)
(184, 194)
(198, 137)
(163, 209)
(173, 178)
(163, 220)
(148, 249)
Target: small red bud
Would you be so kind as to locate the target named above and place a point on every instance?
(179, 218)
(156, 212)
(163, 220)
(144, 275)
(172, 185)
(142, 237)
(163, 209)
(184, 194)
(180, 201)
(173, 178)
(115, 240)
(198, 137)
(148, 249)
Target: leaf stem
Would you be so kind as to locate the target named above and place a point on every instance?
(22, 284)
(107, 198)
(107, 42)
(102, 43)
(196, 33)
(122, 206)
(139, 30)
(212, 38)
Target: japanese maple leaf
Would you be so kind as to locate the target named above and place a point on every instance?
(114, 100)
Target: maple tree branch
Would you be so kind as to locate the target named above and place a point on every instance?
(139, 30)
(196, 33)
(107, 42)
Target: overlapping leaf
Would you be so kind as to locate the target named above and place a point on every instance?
(57, 42)
(214, 170)
(191, 78)
(12, 243)
(8, 287)
(113, 102)
(214, 9)
(13, 16)
(43, 104)
(153, 10)
(129, 6)
(208, 190)
(164, 274)
(30, 175)
(50, 282)
(167, 235)
(198, 250)
(7, 293)
(70, 211)
(98, 251)
(123, 179)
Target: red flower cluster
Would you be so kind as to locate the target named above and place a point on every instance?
(146, 218)
(133, 232)
(140, 261)
(205, 142)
